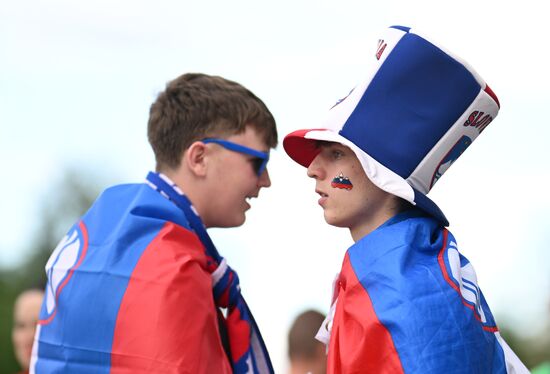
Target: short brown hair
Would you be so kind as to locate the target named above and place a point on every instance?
(195, 106)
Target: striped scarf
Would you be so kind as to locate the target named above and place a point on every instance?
(248, 352)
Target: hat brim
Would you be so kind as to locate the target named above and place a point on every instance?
(301, 146)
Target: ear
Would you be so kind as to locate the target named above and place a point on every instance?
(195, 158)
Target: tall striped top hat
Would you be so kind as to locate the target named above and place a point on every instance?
(417, 108)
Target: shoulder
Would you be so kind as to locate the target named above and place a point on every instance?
(424, 292)
(131, 209)
(409, 240)
(179, 244)
(136, 217)
(140, 200)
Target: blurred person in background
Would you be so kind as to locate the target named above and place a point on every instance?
(305, 353)
(25, 317)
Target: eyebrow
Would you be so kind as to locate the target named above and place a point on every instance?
(325, 144)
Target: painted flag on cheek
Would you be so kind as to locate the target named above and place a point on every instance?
(342, 182)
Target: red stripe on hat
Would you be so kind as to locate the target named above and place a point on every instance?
(359, 342)
(167, 319)
(492, 94)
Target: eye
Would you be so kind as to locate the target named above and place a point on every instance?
(337, 154)
(257, 164)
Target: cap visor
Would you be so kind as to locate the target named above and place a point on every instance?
(299, 148)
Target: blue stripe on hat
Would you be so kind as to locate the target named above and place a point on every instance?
(402, 28)
(417, 95)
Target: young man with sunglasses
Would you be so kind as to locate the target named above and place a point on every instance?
(137, 284)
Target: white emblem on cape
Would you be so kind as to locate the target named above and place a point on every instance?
(466, 278)
(63, 258)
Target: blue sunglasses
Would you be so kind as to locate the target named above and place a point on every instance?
(259, 162)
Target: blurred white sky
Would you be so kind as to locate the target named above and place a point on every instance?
(77, 80)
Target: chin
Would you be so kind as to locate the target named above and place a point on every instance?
(238, 223)
(232, 222)
(334, 221)
(331, 222)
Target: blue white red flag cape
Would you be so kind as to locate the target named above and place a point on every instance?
(408, 302)
(129, 291)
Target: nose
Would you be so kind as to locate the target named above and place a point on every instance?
(264, 180)
(315, 169)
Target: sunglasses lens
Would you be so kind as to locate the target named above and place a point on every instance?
(257, 164)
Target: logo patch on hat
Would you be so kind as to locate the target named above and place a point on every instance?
(479, 120)
(451, 157)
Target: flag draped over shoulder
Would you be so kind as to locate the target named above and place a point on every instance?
(408, 302)
(130, 286)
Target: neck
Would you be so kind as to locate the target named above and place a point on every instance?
(362, 230)
(192, 190)
(389, 208)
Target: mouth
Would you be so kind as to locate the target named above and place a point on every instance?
(249, 198)
(321, 193)
(323, 198)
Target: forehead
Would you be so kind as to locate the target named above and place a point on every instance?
(29, 300)
(321, 144)
(337, 154)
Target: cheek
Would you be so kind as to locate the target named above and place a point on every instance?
(233, 197)
(350, 201)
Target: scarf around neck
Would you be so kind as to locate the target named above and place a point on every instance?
(248, 351)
